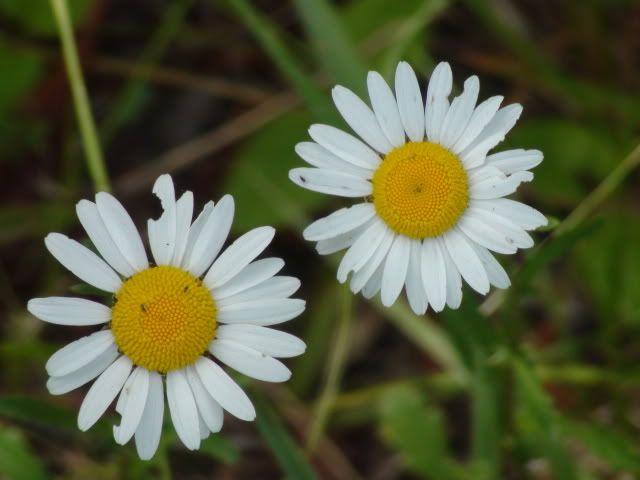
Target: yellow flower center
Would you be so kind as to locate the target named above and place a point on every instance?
(420, 190)
(163, 318)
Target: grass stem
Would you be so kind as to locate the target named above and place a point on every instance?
(92, 150)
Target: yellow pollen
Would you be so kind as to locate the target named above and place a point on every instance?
(420, 190)
(163, 318)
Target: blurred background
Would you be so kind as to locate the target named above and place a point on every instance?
(539, 382)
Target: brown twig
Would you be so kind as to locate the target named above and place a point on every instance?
(218, 87)
(188, 153)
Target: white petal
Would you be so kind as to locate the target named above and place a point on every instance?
(476, 154)
(344, 146)
(410, 104)
(103, 391)
(512, 233)
(69, 311)
(491, 135)
(434, 273)
(318, 156)
(249, 362)
(344, 240)
(252, 275)
(360, 118)
(202, 426)
(210, 237)
(131, 403)
(122, 230)
(416, 293)
(184, 213)
(94, 226)
(484, 172)
(361, 250)
(395, 270)
(466, 260)
(497, 275)
(454, 281)
(330, 182)
(363, 275)
(150, 427)
(79, 353)
(503, 121)
(195, 230)
(272, 288)
(385, 108)
(224, 390)
(262, 312)
(512, 161)
(238, 255)
(77, 378)
(485, 234)
(482, 115)
(496, 187)
(339, 222)
(210, 410)
(374, 284)
(82, 262)
(266, 340)
(162, 232)
(459, 113)
(437, 103)
(519, 213)
(183, 409)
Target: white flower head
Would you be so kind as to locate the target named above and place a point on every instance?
(169, 321)
(433, 204)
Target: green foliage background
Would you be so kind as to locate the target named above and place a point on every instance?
(537, 382)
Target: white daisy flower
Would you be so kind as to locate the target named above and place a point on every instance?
(168, 321)
(433, 198)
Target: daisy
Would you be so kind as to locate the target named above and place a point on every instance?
(433, 204)
(169, 320)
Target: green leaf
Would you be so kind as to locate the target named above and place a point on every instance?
(259, 177)
(17, 460)
(35, 411)
(540, 420)
(361, 18)
(553, 250)
(572, 151)
(613, 280)
(219, 447)
(36, 17)
(471, 333)
(268, 37)
(486, 406)
(620, 451)
(417, 431)
(20, 72)
(291, 459)
(331, 43)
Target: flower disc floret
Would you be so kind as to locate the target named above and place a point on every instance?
(420, 190)
(163, 318)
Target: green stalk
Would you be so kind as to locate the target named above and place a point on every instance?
(269, 39)
(92, 150)
(337, 363)
(600, 193)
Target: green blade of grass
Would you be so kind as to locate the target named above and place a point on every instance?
(291, 459)
(266, 34)
(331, 43)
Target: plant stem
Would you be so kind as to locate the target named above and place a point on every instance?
(577, 216)
(93, 152)
(337, 363)
(600, 193)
